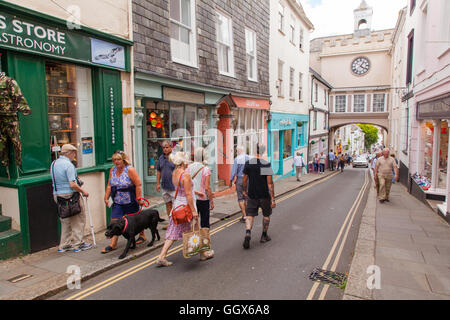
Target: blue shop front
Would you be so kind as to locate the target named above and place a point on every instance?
(288, 134)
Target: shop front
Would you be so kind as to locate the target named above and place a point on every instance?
(432, 179)
(172, 111)
(288, 135)
(71, 80)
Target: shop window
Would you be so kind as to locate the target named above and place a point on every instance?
(157, 120)
(427, 138)
(287, 144)
(70, 110)
(176, 119)
(443, 154)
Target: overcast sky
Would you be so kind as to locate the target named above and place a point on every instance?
(334, 17)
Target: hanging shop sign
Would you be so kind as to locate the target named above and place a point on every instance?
(32, 36)
(436, 109)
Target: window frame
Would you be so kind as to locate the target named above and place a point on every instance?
(300, 86)
(384, 102)
(336, 100)
(230, 46)
(281, 17)
(255, 61)
(363, 100)
(280, 78)
(291, 83)
(192, 36)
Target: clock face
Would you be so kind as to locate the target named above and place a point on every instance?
(360, 66)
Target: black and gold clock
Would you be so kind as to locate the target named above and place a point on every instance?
(360, 66)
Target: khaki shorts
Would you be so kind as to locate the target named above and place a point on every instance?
(167, 195)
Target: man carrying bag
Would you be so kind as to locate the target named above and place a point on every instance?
(65, 193)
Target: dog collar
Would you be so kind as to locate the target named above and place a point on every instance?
(126, 225)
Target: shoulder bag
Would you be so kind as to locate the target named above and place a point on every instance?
(182, 213)
(67, 207)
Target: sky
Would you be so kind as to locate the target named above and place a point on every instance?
(334, 17)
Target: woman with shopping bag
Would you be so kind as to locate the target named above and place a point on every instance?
(183, 201)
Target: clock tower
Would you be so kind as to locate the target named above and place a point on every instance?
(363, 19)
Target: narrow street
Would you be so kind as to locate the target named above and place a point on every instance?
(304, 228)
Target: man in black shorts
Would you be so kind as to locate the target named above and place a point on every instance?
(261, 193)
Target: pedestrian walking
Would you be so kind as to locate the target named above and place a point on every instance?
(125, 188)
(65, 184)
(298, 164)
(373, 166)
(237, 176)
(342, 162)
(383, 171)
(164, 170)
(261, 193)
(331, 158)
(393, 171)
(185, 196)
(316, 162)
(322, 161)
(201, 177)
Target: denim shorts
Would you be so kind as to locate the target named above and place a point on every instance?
(119, 210)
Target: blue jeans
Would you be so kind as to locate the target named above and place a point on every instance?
(316, 167)
(322, 167)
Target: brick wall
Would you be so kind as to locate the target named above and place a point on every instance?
(152, 42)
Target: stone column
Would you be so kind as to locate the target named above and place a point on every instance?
(436, 148)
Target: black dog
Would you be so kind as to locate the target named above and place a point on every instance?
(130, 226)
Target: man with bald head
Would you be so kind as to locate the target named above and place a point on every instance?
(383, 172)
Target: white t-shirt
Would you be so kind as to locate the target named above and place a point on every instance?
(200, 179)
(298, 161)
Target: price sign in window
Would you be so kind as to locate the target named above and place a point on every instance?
(70, 110)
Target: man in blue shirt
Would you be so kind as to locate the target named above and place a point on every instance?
(237, 175)
(64, 177)
(164, 170)
(331, 158)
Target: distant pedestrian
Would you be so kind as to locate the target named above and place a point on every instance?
(64, 178)
(331, 158)
(316, 162)
(125, 188)
(373, 166)
(322, 161)
(164, 170)
(383, 171)
(261, 193)
(349, 159)
(393, 171)
(299, 163)
(342, 161)
(201, 177)
(237, 176)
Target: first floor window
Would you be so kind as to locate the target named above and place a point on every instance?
(225, 45)
(300, 86)
(250, 46)
(280, 78)
(341, 103)
(359, 103)
(70, 110)
(182, 35)
(291, 83)
(378, 102)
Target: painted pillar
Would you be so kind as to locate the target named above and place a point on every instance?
(447, 193)
(138, 116)
(436, 148)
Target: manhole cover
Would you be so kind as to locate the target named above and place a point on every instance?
(334, 278)
(20, 277)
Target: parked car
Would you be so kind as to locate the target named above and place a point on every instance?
(360, 162)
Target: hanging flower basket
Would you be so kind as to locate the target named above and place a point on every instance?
(299, 123)
(323, 140)
(312, 142)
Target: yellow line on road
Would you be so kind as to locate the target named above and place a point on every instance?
(336, 242)
(110, 281)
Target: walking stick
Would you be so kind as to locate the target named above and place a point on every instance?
(90, 223)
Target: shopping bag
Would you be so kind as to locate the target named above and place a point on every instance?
(196, 240)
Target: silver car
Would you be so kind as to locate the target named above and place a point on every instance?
(360, 162)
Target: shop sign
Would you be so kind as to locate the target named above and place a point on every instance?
(285, 123)
(436, 109)
(29, 35)
(111, 105)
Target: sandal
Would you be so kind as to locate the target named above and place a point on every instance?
(108, 249)
(208, 255)
(140, 240)
(163, 263)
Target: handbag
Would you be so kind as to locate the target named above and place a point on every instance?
(66, 207)
(195, 241)
(182, 213)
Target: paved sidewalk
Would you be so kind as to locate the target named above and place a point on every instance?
(409, 243)
(48, 268)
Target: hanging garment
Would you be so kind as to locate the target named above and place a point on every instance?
(11, 102)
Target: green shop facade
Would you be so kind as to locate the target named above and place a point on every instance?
(71, 79)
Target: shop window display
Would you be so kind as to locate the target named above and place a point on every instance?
(70, 110)
(287, 144)
(443, 156)
(427, 138)
(157, 119)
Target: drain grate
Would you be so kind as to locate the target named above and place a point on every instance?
(330, 277)
(20, 277)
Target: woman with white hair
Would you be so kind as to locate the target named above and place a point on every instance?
(182, 179)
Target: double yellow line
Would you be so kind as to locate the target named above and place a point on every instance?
(102, 285)
(120, 276)
(351, 215)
